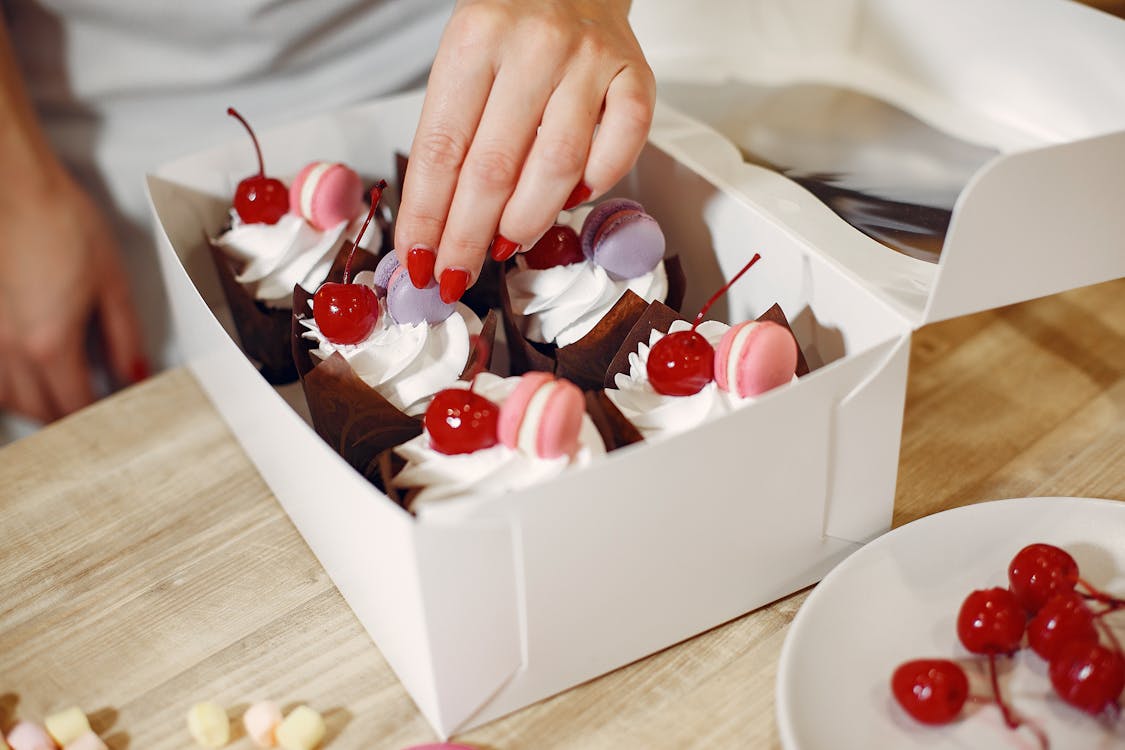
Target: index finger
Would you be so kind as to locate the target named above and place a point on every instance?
(460, 81)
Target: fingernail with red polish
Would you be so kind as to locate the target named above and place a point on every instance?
(420, 266)
(139, 370)
(503, 248)
(579, 195)
(454, 281)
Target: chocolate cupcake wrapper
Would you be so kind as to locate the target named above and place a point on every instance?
(356, 420)
(263, 330)
(659, 317)
(584, 362)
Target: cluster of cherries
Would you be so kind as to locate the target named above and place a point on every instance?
(683, 363)
(1062, 626)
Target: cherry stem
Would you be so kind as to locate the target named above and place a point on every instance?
(1101, 596)
(376, 194)
(257, 149)
(1010, 718)
(714, 297)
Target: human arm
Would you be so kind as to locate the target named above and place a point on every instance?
(507, 132)
(60, 271)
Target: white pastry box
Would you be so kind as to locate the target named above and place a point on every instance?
(486, 604)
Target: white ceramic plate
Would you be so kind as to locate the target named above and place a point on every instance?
(897, 598)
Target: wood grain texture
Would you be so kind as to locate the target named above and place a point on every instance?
(145, 566)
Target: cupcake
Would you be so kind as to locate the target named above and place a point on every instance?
(671, 376)
(372, 352)
(278, 238)
(495, 435)
(570, 299)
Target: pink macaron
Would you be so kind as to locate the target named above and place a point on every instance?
(755, 356)
(543, 416)
(326, 193)
(27, 735)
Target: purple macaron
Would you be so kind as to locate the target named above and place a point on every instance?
(621, 238)
(383, 272)
(410, 305)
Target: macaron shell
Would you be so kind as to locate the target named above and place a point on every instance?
(26, 735)
(337, 195)
(597, 217)
(409, 305)
(561, 421)
(768, 358)
(629, 245)
(514, 407)
(722, 354)
(383, 272)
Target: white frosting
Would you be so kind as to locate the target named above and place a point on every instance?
(658, 416)
(405, 363)
(562, 304)
(495, 469)
(290, 252)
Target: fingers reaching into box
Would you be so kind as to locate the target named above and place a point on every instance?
(509, 131)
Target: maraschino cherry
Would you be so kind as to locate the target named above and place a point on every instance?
(461, 421)
(991, 621)
(1038, 572)
(682, 363)
(1065, 618)
(259, 199)
(560, 246)
(1088, 676)
(933, 691)
(346, 313)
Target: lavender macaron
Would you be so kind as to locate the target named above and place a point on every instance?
(407, 304)
(621, 238)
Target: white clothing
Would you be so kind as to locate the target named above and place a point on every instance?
(125, 85)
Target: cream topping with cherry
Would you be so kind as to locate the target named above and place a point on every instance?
(465, 450)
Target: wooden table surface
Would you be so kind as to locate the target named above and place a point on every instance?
(144, 565)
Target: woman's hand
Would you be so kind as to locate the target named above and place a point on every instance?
(507, 133)
(59, 273)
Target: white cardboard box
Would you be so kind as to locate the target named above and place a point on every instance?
(486, 604)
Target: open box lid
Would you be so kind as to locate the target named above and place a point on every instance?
(1038, 80)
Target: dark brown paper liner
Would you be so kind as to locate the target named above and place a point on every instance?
(616, 430)
(263, 330)
(659, 317)
(351, 416)
(585, 361)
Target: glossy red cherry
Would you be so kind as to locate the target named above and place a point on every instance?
(259, 199)
(1065, 618)
(558, 247)
(346, 313)
(932, 691)
(991, 621)
(1088, 676)
(1038, 572)
(461, 421)
(683, 363)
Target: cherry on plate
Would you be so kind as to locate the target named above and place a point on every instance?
(932, 691)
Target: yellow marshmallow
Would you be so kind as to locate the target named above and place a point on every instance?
(208, 724)
(303, 729)
(67, 725)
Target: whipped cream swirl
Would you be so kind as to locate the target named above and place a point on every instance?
(496, 469)
(658, 416)
(290, 252)
(407, 364)
(562, 304)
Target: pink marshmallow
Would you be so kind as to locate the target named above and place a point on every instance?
(261, 721)
(755, 356)
(326, 193)
(28, 735)
(542, 416)
(86, 741)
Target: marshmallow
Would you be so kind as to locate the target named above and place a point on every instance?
(261, 721)
(208, 724)
(303, 729)
(86, 741)
(67, 725)
(27, 735)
